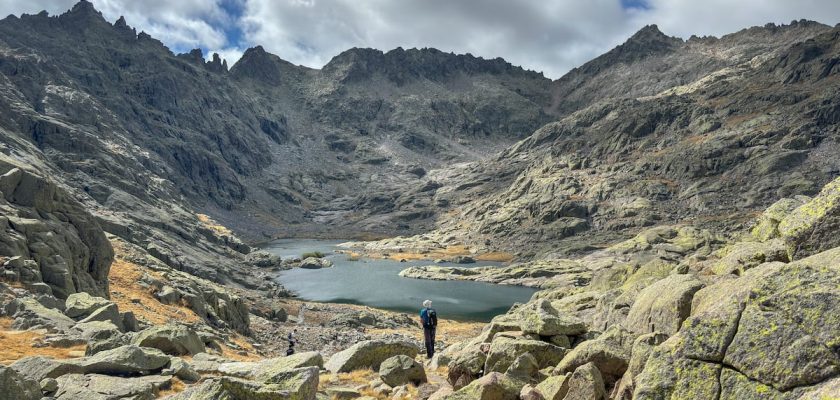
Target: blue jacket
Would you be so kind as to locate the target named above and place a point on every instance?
(424, 316)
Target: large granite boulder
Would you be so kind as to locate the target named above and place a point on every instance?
(774, 329)
(80, 305)
(504, 350)
(493, 386)
(369, 354)
(554, 387)
(609, 352)
(16, 386)
(171, 339)
(125, 360)
(401, 370)
(104, 387)
(44, 223)
(29, 313)
(664, 305)
(746, 255)
(642, 347)
(767, 225)
(586, 383)
(813, 226)
(541, 318)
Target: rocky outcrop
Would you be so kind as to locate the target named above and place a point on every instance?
(726, 344)
(15, 386)
(369, 354)
(171, 339)
(50, 237)
(401, 370)
(810, 228)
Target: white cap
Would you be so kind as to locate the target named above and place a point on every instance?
(427, 303)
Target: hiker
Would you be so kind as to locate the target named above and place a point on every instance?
(292, 339)
(428, 318)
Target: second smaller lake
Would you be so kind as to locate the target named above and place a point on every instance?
(376, 283)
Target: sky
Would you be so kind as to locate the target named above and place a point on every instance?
(549, 36)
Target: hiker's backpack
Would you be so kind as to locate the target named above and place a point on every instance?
(431, 318)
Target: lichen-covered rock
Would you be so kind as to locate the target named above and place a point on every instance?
(746, 255)
(369, 354)
(125, 360)
(775, 325)
(401, 370)
(663, 306)
(15, 386)
(172, 339)
(609, 352)
(767, 225)
(229, 388)
(269, 368)
(466, 365)
(586, 383)
(302, 383)
(103, 387)
(554, 387)
(642, 347)
(525, 368)
(812, 227)
(541, 318)
(493, 386)
(504, 350)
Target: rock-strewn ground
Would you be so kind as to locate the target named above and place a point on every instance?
(127, 173)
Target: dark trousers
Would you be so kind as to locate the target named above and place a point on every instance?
(429, 336)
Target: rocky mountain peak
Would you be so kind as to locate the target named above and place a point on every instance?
(401, 66)
(647, 41)
(261, 66)
(83, 10)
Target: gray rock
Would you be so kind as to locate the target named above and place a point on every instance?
(182, 369)
(402, 370)
(663, 306)
(38, 368)
(109, 313)
(171, 339)
(80, 305)
(28, 313)
(610, 353)
(126, 360)
(586, 384)
(315, 263)
(369, 354)
(505, 350)
(541, 318)
(103, 387)
(15, 386)
(49, 385)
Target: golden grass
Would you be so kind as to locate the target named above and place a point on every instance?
(175, 386)
(234, 354)
(123, 280)
(15, 345)
(213, 225)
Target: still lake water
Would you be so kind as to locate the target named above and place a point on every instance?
(376, 283)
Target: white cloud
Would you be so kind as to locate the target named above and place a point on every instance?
(552, 36)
